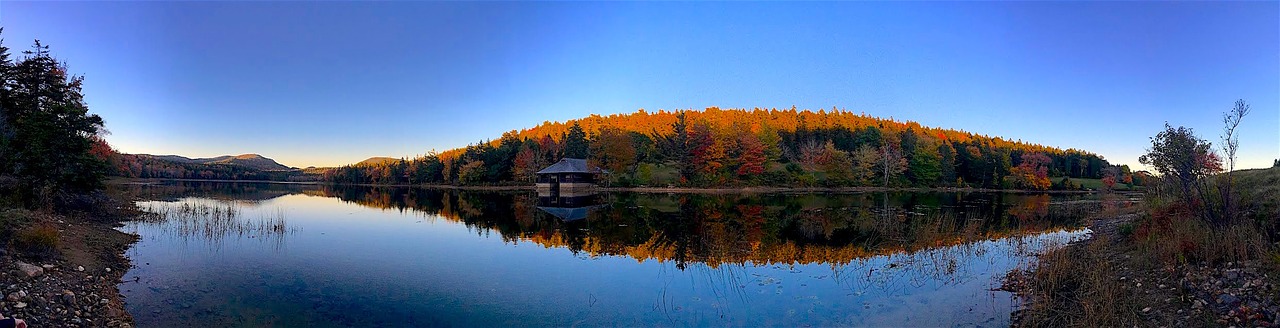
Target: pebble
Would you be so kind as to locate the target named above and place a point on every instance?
(20, 305)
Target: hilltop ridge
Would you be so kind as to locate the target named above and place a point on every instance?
(254, 161)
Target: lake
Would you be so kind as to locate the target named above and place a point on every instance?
(247, 254)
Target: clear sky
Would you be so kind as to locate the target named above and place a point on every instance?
(331, 83)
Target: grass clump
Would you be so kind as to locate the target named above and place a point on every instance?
(1077, 287)
(38, 241)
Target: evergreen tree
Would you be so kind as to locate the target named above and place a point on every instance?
(680, 146)
(575, 143)
(44, 111)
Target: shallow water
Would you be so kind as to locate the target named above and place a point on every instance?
(295, 255)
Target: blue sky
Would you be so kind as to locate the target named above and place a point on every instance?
(331, 83)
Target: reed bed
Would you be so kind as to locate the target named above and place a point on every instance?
(214, 221)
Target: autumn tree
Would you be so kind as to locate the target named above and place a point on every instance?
(706, 153)
(1184, 159)
(526, 163)
(892, 163)
(1111, 176)
(837, 164)
(1032, 173)
(865, 160)
(613, 150)
(752, 154)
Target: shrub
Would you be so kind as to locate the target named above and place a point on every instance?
(37, 241)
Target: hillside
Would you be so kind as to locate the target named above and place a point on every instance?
(377, 161)
(241, 167)
(252, 161)
(749, 147)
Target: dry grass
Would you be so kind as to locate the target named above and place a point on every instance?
(1171, 234)
(1077, 287)
(40, 241)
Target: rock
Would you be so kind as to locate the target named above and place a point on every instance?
(20, 305)
(79, 268)
(68, 297)
(47, 266)
(1146, 309)
(13, 297)
(1228, 299)
(108, 269)
(30, 270)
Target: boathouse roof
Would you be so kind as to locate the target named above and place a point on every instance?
(571, 165)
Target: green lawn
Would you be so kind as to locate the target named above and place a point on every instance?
(1095, 184)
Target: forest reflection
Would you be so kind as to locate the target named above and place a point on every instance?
(714, 229)
(719, 229)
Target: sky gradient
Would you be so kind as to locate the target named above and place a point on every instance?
(332, 83)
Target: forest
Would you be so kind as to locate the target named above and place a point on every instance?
(757, 147)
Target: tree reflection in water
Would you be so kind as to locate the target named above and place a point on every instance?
(727, 256)
(739, 229)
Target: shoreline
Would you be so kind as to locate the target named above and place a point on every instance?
(671, 190)
(1107, 280)
(78, 285)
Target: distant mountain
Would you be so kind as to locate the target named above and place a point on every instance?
(253, 161)
(377, 161)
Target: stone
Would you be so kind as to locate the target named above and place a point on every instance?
(1228, 299)
(20, 305)
(13, 297)
(47, 266)
(30, 270)
(68, 298)
(1146, 309)
(108, 269)
(79, 268)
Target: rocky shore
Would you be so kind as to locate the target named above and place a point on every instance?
(77, 287)
(1232, 294)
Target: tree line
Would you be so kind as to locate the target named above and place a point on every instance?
(757, 147)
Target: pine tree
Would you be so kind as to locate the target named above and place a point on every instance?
(575, 143)
(45, 112)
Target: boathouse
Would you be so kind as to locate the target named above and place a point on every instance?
(567, 178)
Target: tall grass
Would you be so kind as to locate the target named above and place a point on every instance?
(1077, 287)
(214, 221)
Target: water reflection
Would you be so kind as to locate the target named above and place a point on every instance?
(212, 221)
(404, 256)
(718, 229)
(569, 208)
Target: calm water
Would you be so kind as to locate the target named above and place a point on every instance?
(295, 255)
